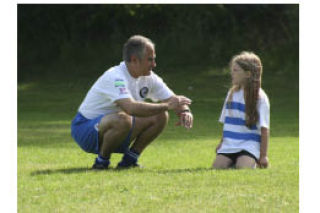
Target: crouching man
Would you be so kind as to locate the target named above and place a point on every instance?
(113, 117)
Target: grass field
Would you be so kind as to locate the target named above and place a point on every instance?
(54, 173)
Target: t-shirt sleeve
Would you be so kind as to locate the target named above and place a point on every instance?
(114, 88)
(159, 89)
(264, 112)
(223, 112)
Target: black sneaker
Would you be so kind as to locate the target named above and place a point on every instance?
(135, 165)
(100, 166)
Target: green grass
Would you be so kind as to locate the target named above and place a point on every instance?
(54, 173)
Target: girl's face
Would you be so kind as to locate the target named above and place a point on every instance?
(238, 75)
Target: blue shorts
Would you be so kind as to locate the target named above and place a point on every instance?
(85, 132)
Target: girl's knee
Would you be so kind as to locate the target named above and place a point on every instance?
(245, 166)
(219, 166)
(222, 162)
(245, 162)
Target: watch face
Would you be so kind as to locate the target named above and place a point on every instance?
(143, 92)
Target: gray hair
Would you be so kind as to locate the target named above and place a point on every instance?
(136, 45)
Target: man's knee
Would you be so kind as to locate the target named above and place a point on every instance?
(123, 121)
(119, 121)
(162, 118)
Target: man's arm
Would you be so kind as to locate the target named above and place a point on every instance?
(142, 109)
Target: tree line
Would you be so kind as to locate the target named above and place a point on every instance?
(183, 33)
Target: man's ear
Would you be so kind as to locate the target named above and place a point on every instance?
(134, 59)
(248, 74)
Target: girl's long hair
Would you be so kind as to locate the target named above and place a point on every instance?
(249, 62)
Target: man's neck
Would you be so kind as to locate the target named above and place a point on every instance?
(132, 71)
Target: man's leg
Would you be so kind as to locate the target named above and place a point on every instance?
(113, 129)
(245, 162)
(222, 162)
(146, 129)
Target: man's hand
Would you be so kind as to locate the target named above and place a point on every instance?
(263, 162)
(176, 101)
(185, 119)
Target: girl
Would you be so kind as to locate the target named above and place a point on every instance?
(245, 116)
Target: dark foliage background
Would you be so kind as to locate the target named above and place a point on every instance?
(67, 40)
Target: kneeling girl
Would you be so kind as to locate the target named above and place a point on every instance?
(245, 117)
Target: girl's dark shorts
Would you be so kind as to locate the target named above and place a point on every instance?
(234, 156)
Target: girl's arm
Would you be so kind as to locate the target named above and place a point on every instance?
(219, 145)
(263, 160)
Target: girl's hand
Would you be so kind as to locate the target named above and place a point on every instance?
(263, 162)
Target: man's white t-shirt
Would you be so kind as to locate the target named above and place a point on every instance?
(117, 83)
(236, 135)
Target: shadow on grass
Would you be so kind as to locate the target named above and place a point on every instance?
(138, 170)
(63, 171)
(185, 170)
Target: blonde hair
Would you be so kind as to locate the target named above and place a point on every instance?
(249, 62)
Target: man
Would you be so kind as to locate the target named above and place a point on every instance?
(114, 114)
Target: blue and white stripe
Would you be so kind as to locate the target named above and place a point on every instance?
(238, 121)
(242, 136)
(236, 106)
(235, 125)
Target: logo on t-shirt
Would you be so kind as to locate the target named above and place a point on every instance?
(123, 91)
(143, 92)
(119, 83)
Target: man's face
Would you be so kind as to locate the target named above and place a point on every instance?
(148, 62)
